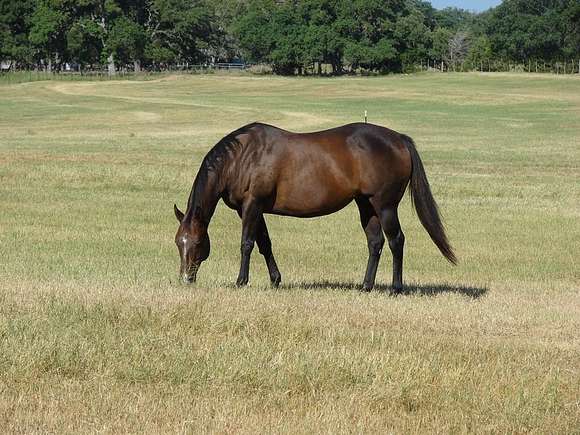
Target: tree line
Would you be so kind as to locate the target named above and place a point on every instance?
(290, 36)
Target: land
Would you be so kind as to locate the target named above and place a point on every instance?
(98, 335)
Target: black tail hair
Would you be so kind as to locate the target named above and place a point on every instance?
(425, 205)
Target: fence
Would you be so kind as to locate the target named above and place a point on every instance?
(532, 66)
(100, 72)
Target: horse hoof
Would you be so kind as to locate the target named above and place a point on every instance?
(397, 290)
(275, 281)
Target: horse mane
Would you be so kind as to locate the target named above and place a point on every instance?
(213, 162)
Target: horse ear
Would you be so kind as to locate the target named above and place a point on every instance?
(178, 214)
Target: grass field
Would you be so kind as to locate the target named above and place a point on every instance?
(97, 335)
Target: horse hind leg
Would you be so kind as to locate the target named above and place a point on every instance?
(375, 240)
(392, 228)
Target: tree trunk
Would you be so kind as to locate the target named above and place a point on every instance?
(49, 64)
(137, 66)
(111, 65)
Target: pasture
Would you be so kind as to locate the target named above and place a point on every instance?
(98, 335)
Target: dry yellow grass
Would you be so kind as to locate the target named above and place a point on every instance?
(97, 336)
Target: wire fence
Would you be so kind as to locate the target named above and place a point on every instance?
(531, 66)
(100, 72)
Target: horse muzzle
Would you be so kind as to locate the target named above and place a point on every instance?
(190, 275)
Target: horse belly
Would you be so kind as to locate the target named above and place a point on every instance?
(313, 197)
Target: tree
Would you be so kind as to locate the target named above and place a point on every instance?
(47, 32)
(521, 30)
(454, 19)
(480, 52)
(440, 44)
(14, 28)
(414, 38)
(322, 42)
(288, 28)
(106, 30)
(128, 37)
(84, 42)
(294, 36)
(225, 13)
(179, 30)
(254, 31)
(370, 33)
(458, 48)
(74, 30)
(571, 24)
(127, 40)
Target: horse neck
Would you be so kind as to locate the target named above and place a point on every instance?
(205, 195)
(212, 178)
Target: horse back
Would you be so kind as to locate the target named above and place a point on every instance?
(313, 174)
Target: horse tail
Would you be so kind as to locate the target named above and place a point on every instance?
(425, 205)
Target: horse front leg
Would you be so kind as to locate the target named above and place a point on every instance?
(251, 214)
(265, 247)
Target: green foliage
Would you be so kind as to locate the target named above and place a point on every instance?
(369, 32)
(570, 24)
(48, 27)
(293, 37)
(288, 30)
(454, 19)
(84, 41)
(414, 38)
(440, 43)
(253, 30)
(14, 28)
(535, 29)
(480, 52)
(179, 30)
(127, 39)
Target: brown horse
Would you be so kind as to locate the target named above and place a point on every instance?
(261, 169)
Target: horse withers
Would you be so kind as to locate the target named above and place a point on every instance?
(260, 169)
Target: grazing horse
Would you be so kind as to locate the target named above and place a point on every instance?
(261, 169)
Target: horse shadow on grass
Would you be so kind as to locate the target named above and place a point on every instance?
(408, 290)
